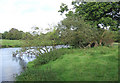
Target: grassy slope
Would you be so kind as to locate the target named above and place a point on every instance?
(11, 43)
(93, 64)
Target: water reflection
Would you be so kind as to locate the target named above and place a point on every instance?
(8, 67)
(30, 53)
(21, 62)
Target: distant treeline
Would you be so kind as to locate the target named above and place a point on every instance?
(14, 34)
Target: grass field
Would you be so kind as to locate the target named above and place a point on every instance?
(10, 43)
(92, 64)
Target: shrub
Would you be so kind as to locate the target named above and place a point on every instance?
(116, 36)
(50, 56)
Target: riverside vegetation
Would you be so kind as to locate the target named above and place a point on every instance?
(91, 64)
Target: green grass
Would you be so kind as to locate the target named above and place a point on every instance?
(92, 64)
(11, 43)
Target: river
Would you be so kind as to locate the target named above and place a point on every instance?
(10, 66)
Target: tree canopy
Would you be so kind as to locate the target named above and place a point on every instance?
(15, 34)
(94, 13)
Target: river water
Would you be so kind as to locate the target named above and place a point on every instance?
(10, 66)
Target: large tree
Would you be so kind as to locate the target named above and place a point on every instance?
(106, 13)
(79, 30)
(4, 35)
(13, 34)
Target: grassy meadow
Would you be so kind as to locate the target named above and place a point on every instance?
(68, 64)
(11, 43)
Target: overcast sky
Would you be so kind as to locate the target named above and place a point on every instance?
(24, 14)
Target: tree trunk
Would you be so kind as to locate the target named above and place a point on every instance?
(100, 42)
(96, 44)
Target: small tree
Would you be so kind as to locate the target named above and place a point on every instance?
(76, 32)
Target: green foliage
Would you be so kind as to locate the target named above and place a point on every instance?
(26, 36)
(63, 8)
(49, 39)
(80, 27)
(15, 34)
(94, 64)
(116, 36)
(4, 35)
(96, 13)
(107, 38)
(49, 56)
(76, 32)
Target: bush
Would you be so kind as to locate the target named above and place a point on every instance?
(107, 38)
(116, 36)
(50, 56)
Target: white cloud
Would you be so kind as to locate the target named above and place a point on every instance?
(24, 14)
